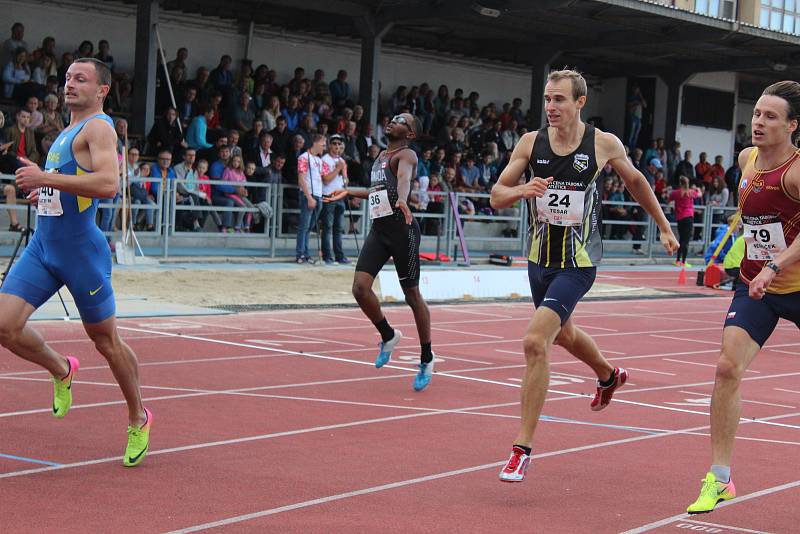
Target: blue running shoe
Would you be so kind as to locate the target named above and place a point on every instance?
(385, 349)
(423, 377)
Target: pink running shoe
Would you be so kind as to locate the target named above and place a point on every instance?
(604, 394)
(517, 466)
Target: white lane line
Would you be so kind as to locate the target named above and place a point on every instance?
(705, 364)
(416, 353)
(744, 498)
(419, 480)
(319, 339)
(727, 527)
(650, 371)
(450, 330)
(200, 392)
(687, 339)
(459, 309)
(194, 322)
(196, 446)
(786, 390)
(706, 395)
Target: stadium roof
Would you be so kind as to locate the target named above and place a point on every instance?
(600, 37)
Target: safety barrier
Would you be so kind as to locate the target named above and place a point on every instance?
(173, 220)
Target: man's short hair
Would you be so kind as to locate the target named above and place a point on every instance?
(264, 134)
(316, 138)
(100, 68)
(578, 81)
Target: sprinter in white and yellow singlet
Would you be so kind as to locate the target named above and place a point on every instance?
(565, 242)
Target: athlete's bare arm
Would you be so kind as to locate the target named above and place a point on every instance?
(508, 190)
(406, 163)
(760, 283)
(95, 148)
(611, 147)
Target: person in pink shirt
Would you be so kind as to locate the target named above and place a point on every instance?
(683, 198)
(234, 172)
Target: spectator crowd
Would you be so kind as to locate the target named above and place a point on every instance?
(239, 124)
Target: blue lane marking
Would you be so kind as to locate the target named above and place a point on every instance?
(618, 427)
(31, 460)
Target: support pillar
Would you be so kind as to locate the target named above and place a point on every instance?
(674, 81)
(372, 32)
(144, 78)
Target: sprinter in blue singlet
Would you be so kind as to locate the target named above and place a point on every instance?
(68, 249)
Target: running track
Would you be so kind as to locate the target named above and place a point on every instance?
(278, 422)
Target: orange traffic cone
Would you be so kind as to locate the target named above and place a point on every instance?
(682, 276)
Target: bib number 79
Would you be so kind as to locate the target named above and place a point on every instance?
(556, 201)
(761, 235)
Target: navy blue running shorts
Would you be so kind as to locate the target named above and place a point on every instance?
(558, 288)
(760, 317)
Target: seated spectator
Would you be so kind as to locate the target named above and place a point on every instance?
(181, 56)
(243, 114)
(21, 137)
(51, 116)
(262, 155)
(45, 67)
(718, 236)
(292, 113)
(234, 172)
(166, 134)
(104, 54)
(187, 105)
(198, 194)
(509, 137)
(341, 93)
(470, 176)
(32, 105)
(487, 171)
(164, 171)
(66, 60)
(718, 198)
(86, 49)
(271, 112)
(281, 136)
(140, 194)
(122, 96)
(16, 73)
(8, 165)
(197, 134)
(365, 140)
(14, 42)
(233, 143)
(256, 197)
(221, 78)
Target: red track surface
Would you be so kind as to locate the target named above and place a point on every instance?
(251, 433)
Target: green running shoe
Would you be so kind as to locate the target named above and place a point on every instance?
(138, 442)
(62, 389)
(711, 493)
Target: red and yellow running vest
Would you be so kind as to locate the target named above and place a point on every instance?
(771, 219)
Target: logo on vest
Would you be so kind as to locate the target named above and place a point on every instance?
(543, 161)
(758, 184)
(581, 162)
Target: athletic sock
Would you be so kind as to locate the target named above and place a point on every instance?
(386, 331)
(722, 473)
(69, 369)
(610, 381)
(523, 448)
(426, 355)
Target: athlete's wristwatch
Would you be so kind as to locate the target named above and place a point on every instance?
(774, 266)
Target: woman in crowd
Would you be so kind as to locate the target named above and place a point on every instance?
(683, 199)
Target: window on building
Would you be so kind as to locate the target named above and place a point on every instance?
(780, 15)
(715, 8)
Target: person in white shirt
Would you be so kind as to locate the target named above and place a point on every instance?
(334, 177)
(309, 178)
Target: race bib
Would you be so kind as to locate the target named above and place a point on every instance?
(49, 204)
(764, 241)
(379, 204)
(561, 207)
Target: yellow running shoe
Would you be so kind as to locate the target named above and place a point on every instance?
(138, 442)
(62, 389)
(711, 493)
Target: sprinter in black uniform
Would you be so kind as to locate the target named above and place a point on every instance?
(394, 233)
(565, 242)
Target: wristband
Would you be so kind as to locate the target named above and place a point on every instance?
(772, 265)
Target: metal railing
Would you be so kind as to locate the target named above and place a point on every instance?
(481, 229)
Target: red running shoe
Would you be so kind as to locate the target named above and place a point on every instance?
(517, 466)
(604, 394)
